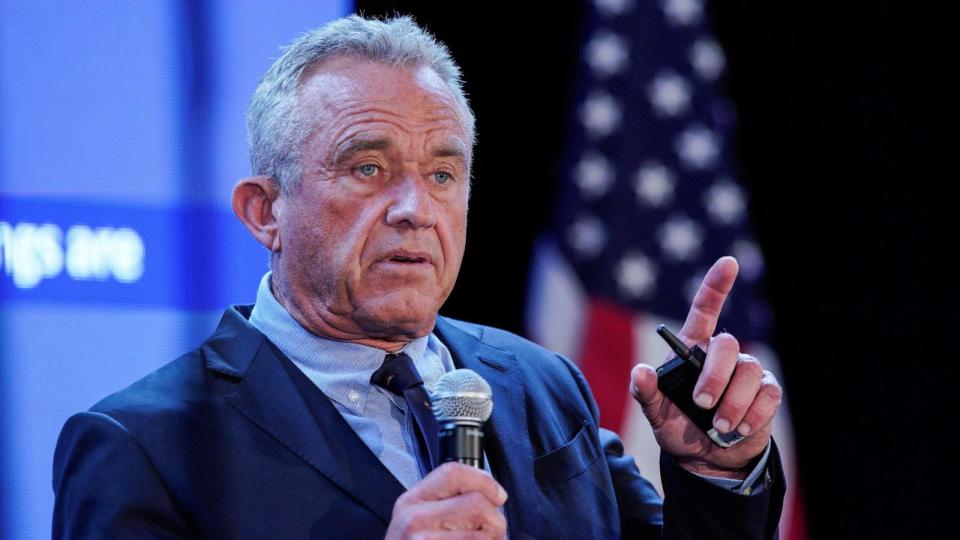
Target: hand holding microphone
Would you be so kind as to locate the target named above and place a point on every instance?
(458, 495)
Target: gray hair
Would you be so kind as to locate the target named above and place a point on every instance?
(275, 127)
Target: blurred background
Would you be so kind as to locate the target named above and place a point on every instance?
(623, 145)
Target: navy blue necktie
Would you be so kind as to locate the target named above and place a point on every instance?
(400, 376)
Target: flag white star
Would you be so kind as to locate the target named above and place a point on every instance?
(654, 184)
(669, 93)
(725, 202)
(680, 238)
(682, 12)
(606, 53)
(697, 147)
(600, 114)
(707, 58)
(636, 275)
(613, 7)
(587, 236)
(750, 258)
(594, 175)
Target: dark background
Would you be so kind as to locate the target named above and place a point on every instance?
(838, 132)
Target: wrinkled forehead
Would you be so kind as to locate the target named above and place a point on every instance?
(344, 82)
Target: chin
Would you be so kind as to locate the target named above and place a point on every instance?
(407, 316)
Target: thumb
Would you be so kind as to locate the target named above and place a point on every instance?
(643, 386)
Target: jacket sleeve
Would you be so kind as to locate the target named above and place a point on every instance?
(692, 507)
(699, 508)
(106, 487)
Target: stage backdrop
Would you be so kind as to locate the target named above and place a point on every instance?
(121, 136)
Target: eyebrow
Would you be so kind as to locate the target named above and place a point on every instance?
(360, 145)
(450, 150)
(363, 145)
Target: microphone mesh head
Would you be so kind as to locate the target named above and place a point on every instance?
(462, 394)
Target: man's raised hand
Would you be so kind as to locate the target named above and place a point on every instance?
(750, 394)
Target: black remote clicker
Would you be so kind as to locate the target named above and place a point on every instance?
(677, 378)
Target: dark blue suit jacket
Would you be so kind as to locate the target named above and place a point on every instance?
(232, 441)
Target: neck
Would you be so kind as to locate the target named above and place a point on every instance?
(331, 326)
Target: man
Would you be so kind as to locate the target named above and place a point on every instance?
(279, 425)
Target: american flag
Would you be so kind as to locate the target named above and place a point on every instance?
(648, 200)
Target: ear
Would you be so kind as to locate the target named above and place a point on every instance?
(255, 201)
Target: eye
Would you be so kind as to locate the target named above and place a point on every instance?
(442, 177)
(368, 169)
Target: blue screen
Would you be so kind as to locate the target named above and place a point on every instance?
(121, 136)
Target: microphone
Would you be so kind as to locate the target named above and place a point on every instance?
(462, 401)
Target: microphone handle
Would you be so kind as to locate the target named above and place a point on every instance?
(461, 442)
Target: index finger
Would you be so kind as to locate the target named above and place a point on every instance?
(452, 479)
(707, 303)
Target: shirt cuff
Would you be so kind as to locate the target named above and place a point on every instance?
(753, 484)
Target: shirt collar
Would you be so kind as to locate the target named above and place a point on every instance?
(340, 369)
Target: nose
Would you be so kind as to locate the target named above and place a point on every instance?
(412, 205)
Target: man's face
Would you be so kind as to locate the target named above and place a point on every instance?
(372, 238)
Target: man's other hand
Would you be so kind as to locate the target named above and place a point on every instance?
(453, 501)
(750, 394)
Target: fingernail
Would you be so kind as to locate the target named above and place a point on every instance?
(744, 429)
(503, 495)
(722, 425)
(704, 400)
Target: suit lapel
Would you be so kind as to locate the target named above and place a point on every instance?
(506, 434)
(269, 396)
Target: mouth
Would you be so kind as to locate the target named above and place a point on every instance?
(404, 257)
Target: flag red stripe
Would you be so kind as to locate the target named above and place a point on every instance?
(797, 527)
(606, 358)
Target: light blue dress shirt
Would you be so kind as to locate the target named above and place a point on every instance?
(342, 371)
